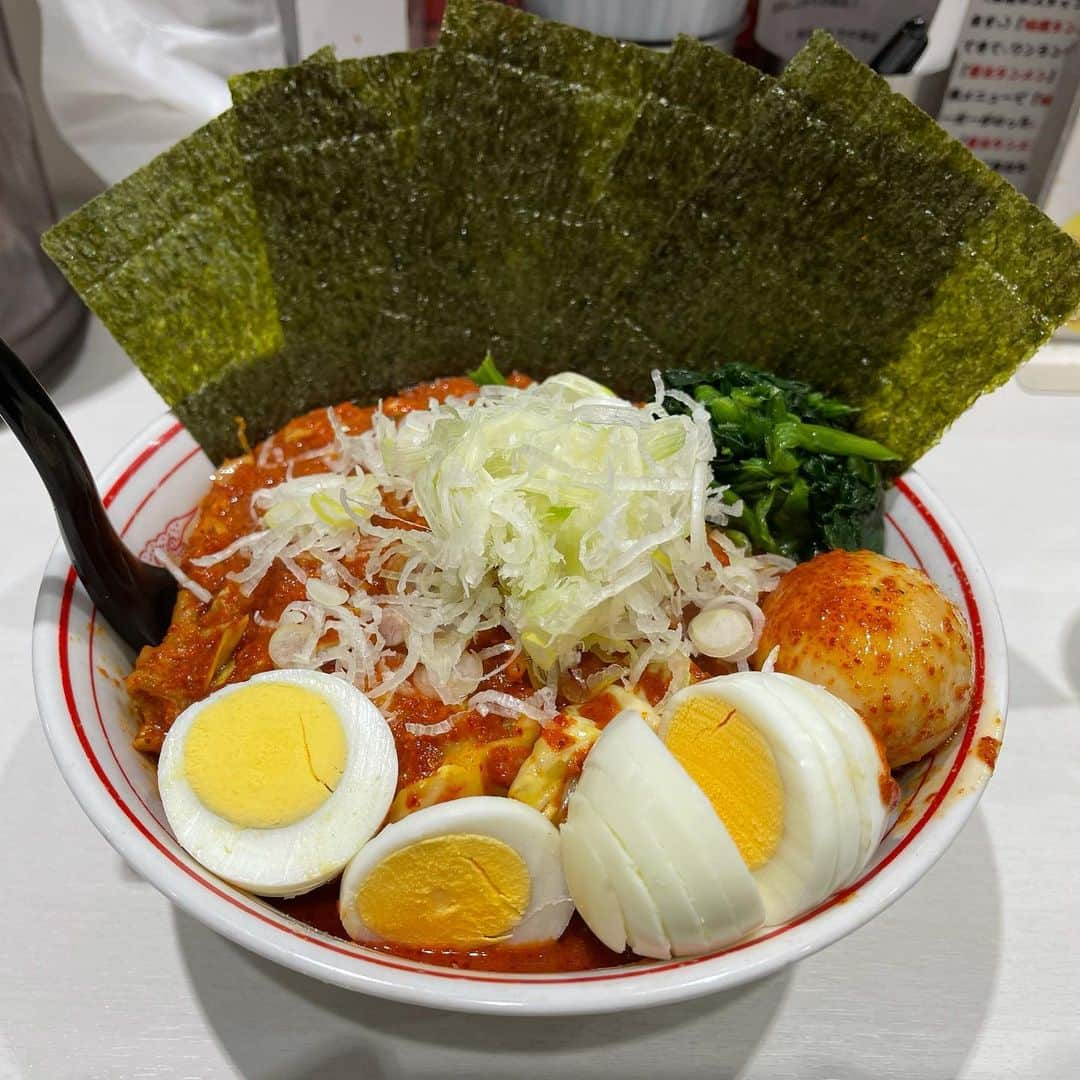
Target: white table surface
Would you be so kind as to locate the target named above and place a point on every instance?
(975, 973)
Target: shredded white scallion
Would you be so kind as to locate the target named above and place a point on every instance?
(202, 595)
(559, 514)
(442, 727)
(770, 661)
(541, 709)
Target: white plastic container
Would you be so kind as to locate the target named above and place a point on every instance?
(646, 21)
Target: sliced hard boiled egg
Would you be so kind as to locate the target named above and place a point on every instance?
(681, 924)
(723, 894)
(680, 884)
(639, 918)
(275, 783)
(588, 877)
(733, 763)
(876, 791)
(788, 773)
(810, 717)
(459, 875)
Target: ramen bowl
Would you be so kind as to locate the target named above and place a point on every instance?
(152, 490)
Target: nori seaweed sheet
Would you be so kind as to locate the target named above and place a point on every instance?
(333, 241)
(523, 119)
(172, 260)
(824, 247)
(681, 128)
(1014, 276)
(998, 222)
(568, 202)
(699, 107)
(330, 243)
(781, 252)
(699, 102)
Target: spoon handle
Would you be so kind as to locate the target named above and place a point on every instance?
(136, 598)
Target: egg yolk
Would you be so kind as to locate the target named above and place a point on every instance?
(265, 756)
(457, 891)
(731, 762)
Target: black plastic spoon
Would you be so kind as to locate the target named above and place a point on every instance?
(135, 597)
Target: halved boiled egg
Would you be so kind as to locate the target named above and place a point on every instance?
(275, 783)
(795, 776)
(459, 875)
(648, 862)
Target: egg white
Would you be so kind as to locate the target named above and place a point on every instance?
(680, 883)
(804, 867)
(645, 932)
(636, 833)
(294, 858)
(588, 880)
(520, 827)
(866, 768)
(809, 714)
(721, 888)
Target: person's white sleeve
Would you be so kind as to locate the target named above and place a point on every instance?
(125, 79)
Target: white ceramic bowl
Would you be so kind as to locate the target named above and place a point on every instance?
(152, 490)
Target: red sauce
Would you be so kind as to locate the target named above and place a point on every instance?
(654, 683)
(987, 750)
(555, 733)
(601, 710)
(889, 789)
(577, 950)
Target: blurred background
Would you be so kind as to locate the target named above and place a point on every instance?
(92, 89)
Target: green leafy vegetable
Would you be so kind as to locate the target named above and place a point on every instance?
(488, 373)
(806, 482)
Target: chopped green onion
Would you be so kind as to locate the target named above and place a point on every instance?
(487, 374)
